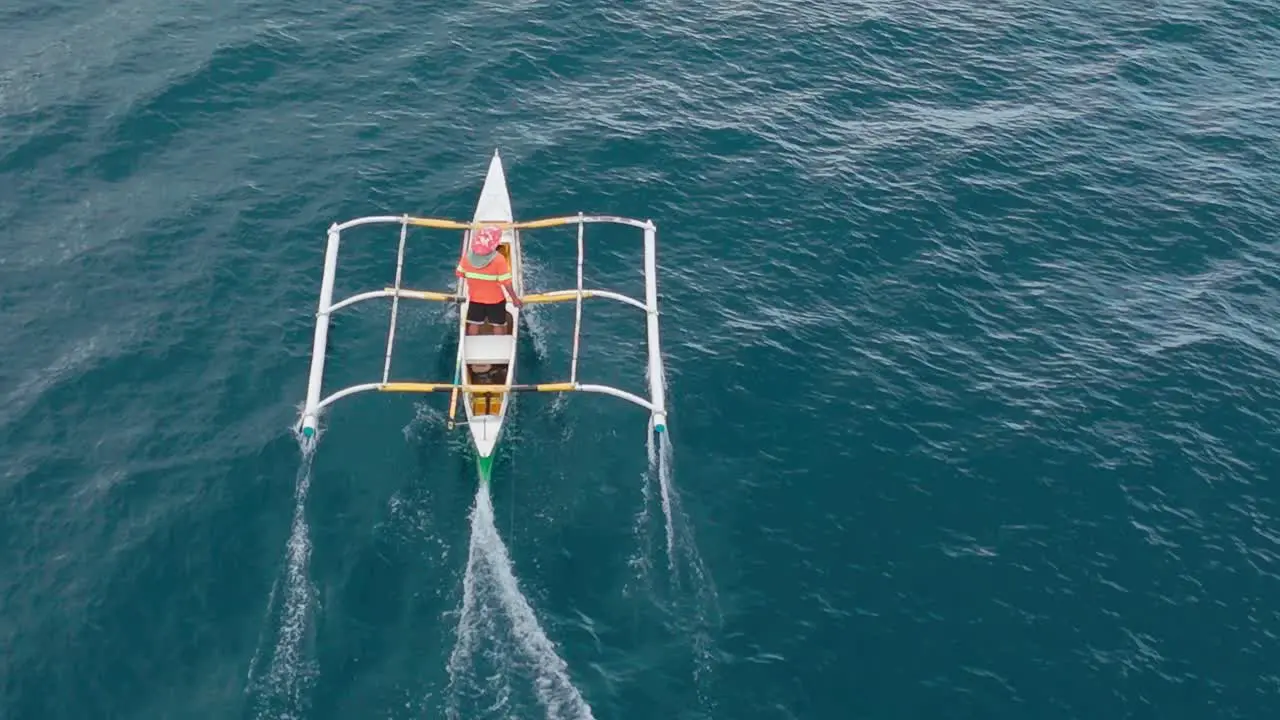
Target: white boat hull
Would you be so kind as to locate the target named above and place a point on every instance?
(486, 397)
(486, 413)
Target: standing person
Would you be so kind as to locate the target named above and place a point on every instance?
(488, 275)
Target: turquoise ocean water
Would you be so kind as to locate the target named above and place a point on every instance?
(969, 313)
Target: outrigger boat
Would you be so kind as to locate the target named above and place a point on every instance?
(486, 397)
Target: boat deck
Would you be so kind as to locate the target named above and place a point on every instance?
(492, 350)
(486, 409)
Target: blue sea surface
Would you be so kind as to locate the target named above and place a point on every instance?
(970, 326)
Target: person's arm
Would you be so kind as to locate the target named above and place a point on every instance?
(509, 286)
(511, 293)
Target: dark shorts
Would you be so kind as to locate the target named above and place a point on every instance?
(495, 314)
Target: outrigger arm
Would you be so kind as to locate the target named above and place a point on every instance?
(655, 404)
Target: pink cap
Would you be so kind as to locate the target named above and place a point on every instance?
(485, 240)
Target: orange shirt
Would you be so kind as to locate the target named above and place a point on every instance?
(484, 285)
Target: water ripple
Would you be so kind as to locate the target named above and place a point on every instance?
(970, 313)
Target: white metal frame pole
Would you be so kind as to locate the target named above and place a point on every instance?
(395, 300)
(577, 318)
(310, 412)
(657, 392)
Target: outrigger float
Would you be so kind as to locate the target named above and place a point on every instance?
(485, 397)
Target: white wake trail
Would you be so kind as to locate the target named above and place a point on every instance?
(288, 678)
(680, 539)
(660, 466)
(495, 611)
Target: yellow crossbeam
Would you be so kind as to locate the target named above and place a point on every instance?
(546, 222)
(557, 296)
(423, 294)
(443, 224)
(497, 389)
(415, 387)
(439, 223)
(556, 387)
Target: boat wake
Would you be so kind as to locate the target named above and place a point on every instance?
(684, 563)
(694, 602)
(502, 653)
(531, 315)
(680, 542)
(282, 691)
